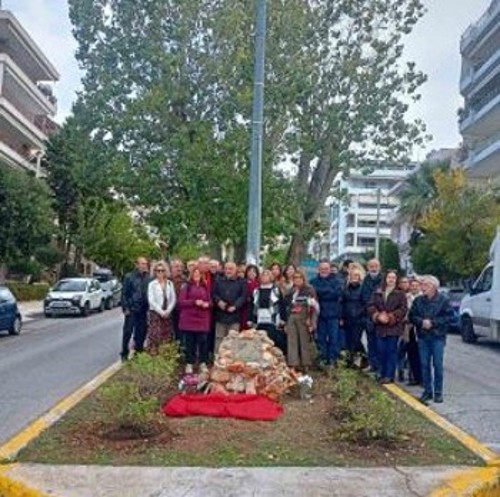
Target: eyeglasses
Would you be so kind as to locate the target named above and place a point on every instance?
(160, 270)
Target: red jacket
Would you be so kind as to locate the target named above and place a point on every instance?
(191, 316)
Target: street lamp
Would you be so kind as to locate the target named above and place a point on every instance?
(254, 228)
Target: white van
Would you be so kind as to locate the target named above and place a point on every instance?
(480, 308)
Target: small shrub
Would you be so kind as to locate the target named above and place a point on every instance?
(25, 292)
(133, 399)
(364, 412)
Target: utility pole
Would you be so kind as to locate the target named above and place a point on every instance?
(254, 227)
(377, 228)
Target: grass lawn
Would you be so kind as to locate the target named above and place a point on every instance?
(308, 434)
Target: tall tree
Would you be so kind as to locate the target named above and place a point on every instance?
(168, 89)
(420, 192)
(26, 216)
(462, 223)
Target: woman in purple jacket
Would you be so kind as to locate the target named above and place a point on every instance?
(194, 320)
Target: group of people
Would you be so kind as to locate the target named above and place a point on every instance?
(404, 320)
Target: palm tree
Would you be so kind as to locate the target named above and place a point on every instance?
(419, 194)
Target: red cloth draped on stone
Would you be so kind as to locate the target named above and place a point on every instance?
(216, 405)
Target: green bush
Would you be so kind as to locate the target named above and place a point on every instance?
(25, 292)
(133, 399)
(364, 412)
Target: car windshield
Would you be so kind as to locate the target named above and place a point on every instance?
(70, 286)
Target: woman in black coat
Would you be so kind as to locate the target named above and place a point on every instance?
(353, 314)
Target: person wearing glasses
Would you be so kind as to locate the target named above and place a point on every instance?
(161, 299)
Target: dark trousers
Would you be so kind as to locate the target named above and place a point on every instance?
(432, 358)
(328, 339)
(196, 343)
(387, 356)
(135, 325)
(277, 336)
(371, 340)
(414, 358)
(353, 329)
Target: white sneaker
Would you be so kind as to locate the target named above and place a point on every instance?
(189, 369)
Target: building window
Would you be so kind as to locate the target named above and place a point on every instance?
(366, 242)
(349, 240)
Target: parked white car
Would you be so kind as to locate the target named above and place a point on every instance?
(74, 296)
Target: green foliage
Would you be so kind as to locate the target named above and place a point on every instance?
(177, 129)
(426, 260)
(461, 224)
(276, 255)
(25, 292)
(134, 400)
(26, 267)
(388, 254)
(365, 414)
(420, 192)
(25, 213)
(49, 256)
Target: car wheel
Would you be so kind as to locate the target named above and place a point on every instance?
(467, 330)
(16, 327)
(47, 314)
(109, 304)
(85, 310)
(101, 306)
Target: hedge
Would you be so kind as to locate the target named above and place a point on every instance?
(25, 292)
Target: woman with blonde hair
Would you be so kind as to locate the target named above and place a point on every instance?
(353, 313)
(162, 299)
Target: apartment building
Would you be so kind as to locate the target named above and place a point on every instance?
(26, 100)
(365, 201)
(480, 87)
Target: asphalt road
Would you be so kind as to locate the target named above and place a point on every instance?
(49, 360)
(472, 389)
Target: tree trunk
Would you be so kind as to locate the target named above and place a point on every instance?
(239, 253)
(3, 272)
(297, 250)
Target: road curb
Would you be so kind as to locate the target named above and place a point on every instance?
(482, 482)
(489, 457)
(12, 488)
(10, 449)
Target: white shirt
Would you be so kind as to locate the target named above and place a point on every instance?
(156, 297)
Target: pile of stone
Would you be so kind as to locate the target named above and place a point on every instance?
(248, 362)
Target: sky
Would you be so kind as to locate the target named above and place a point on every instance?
(433, 45)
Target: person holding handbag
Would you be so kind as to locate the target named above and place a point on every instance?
(161, 298)
(303, 310)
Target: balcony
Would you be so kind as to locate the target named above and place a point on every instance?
(16, 86)
(481, 74)
(485, 161)
(14, 159)
(17, 43)
(481, 29)
(483, 119)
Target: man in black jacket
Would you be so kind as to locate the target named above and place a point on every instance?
(135, 307)
(432, 315)
(371, 283)
(229, 295)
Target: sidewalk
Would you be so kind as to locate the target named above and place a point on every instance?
(101, 481)
(31, 310)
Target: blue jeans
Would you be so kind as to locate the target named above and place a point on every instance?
(431, 349)
(388, 356)
(371, 340)
(329, 339)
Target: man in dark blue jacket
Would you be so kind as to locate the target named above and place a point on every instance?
(432, 315)
(371, 283)
(135, 307)
(328, 288)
